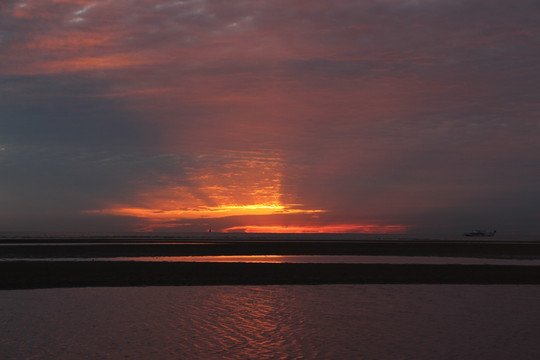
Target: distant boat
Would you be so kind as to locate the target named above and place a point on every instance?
(481, 233)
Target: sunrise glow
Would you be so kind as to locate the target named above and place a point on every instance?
(344, 228)
(234, 184)
(206, 212)
(269, 116)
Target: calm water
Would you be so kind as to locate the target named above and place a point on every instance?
(306, 259)
(251, 237)
(272, 322)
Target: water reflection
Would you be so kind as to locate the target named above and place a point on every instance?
(339, 259)
(272, 322)
(252, 324)
(305, 259)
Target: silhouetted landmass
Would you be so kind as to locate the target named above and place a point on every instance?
(47, 274)
(88, 249)
(67, 273)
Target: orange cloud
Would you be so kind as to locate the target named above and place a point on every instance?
(69, 41)
(233, 184)
(207, 212)
(88, 63)
(244, 187)
(94, 63)
(341, 228)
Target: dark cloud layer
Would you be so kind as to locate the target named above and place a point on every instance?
(119, 115)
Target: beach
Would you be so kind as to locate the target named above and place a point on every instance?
(46, 274)
(118, 298)
(70, 263)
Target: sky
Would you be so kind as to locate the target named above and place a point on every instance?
(368, 116)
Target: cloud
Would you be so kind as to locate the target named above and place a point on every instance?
(379, 112)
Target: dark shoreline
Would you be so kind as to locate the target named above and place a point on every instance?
(90, 249)
(17, 274)
(55, 274)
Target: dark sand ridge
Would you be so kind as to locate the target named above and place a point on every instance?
(93, 249)
(41, 274)
(49, 274)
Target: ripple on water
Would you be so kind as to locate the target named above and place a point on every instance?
(272, 322)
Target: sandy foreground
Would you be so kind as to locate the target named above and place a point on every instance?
(44, 273)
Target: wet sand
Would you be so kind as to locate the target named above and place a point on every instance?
(94, 249)
(41, 274)
(44, 274)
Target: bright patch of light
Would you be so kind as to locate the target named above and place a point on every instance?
(206, 211)
(340, 228)
(225, 185)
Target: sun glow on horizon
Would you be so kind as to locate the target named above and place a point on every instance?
(205, 211)
(244, 187)
(339, 228)
(230, 184)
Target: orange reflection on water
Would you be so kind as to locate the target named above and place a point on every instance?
(252, 323)
(269, 259)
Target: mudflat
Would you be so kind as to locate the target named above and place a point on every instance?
(46, 274)
(77, 264)
(95, 249)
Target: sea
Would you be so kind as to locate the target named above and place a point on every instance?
(251, 237)
(363, 321)
(273, 322)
